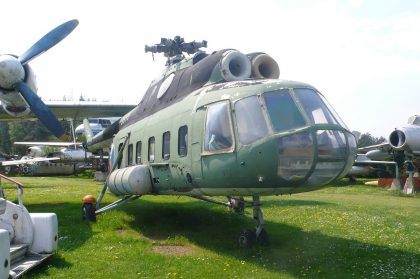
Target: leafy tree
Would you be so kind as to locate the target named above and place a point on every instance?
(28, 131)
(367, 139)
(5, 144)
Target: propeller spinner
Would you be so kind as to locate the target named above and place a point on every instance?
(12, 75)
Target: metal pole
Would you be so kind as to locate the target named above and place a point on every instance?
(117, 162)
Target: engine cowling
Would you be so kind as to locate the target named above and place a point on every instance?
(263, 66)
(12, 101)
(234, 65)
(406, 138)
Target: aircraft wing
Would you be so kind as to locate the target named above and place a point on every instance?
(78, 110)
(382, 146)
(45, 143)
(26, 161)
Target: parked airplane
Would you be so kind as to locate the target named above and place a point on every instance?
(223, 124)
(96, 125)
(404, 141)
(70, 159)
(26, 239)
(402, 150)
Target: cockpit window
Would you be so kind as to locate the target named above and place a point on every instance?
(316, 110)
(334, 113)
(283, 111)
(250, 120)
(218, 135)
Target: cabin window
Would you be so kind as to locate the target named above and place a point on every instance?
(218, 135)
(151, 154)
(183, 141)
(316, 110)
(138, 152)
(130, 155)
(166, 145)
(250, 120)
(283, 112)
(120, 150)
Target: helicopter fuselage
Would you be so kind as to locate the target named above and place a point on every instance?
(250, 137)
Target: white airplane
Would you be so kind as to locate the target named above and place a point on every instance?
(70, 159)
(401, 151)
(96, 125)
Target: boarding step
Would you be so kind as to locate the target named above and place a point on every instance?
(22, 260)
(18, 251)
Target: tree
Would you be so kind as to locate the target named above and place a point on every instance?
(5, 144)
(367, 140)
(28, 131)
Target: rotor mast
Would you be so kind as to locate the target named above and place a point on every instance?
(174, 48)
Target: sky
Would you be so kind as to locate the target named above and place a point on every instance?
(363, 55)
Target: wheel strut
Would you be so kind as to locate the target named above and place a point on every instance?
(248, 237)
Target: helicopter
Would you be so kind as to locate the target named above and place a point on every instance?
(223, 124)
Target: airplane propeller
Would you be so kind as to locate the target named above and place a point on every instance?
(12, 75)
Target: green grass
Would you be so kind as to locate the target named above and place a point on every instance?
(338, 232)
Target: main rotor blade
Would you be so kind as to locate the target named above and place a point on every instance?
(44, 114)
(48, 41)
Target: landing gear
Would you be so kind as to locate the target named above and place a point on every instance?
(237, 204)
(88, 212)
(248, 238)
(88, 209)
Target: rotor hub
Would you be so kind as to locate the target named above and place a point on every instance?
(11, 71)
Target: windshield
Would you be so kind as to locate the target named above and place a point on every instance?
(316, 110)
(283, 112)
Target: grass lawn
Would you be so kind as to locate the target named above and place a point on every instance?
(338, 232)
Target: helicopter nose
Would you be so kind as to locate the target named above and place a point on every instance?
(314, 158)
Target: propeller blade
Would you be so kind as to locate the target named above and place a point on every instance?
(49, 40)
(44, 114)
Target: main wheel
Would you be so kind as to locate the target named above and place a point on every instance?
(247, 238)
(88, 212)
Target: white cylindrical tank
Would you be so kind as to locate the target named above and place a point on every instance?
(133, 180)
(4, 254)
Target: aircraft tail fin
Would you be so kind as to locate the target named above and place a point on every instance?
(88, 130)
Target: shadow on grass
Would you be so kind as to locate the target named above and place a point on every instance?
(56, 261)
(292, 250)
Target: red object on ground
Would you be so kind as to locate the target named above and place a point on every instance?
(89, 199)
(386, 182)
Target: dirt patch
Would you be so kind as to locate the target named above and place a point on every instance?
(174, 250)
(125, 232)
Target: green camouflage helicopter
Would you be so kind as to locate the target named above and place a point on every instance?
(223, 124)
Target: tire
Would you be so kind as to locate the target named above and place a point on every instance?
(247, 238)
(88, 212)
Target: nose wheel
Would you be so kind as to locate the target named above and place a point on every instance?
(248, 237)
(88, 208)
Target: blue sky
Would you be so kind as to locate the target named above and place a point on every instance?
(364, 56)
